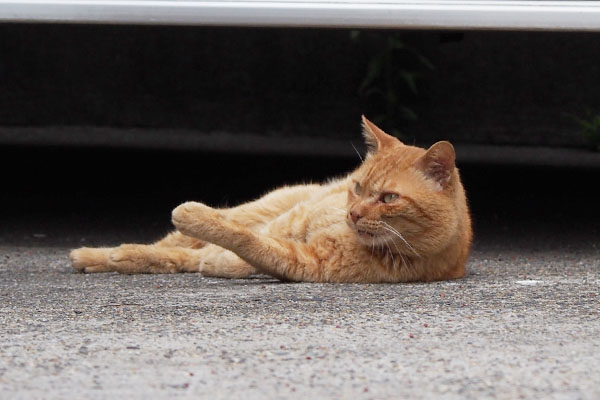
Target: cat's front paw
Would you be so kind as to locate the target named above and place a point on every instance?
(193, 218)
(189, 213)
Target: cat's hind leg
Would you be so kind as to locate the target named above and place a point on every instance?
(178, 239)
(164, 256)
(218, 262)
(210, 260)
(89, 260)
(136, 259)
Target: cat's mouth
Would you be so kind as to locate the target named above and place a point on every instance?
(362, 232)
(367, 234)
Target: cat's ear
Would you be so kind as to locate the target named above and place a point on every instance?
(375, 138)
(438, 163)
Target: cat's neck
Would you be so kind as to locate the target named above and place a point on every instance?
(393, 258)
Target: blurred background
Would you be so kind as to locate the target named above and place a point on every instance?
(104, 129)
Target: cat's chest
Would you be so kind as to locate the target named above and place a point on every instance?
(326, 213)
(310, 219)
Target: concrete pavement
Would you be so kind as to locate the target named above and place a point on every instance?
(519, 326)
(524, 323)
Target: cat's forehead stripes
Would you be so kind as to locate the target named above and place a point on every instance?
(377, 175)
(384, 168)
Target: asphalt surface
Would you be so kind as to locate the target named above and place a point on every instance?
(523, 324)
(518, 326)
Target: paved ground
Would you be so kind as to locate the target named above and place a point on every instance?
(516, 327)
(524, 323)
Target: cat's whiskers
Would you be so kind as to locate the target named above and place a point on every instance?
(406, 261)
(385, 249)
(391, 229)
(392, 236)
(357, 153)
(399, 253)
(403, 261)
(388, 251)
(372, 246)
(391, 255)
(411, 265)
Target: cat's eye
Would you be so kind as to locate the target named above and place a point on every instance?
(389, 197)
(357, 188)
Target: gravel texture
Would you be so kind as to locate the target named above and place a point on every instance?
(524, 323)
(521, 325)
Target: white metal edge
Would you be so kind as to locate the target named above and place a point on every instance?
(468, 14)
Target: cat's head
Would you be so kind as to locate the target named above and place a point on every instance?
(404, 197)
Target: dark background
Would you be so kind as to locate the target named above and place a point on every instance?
(480, 87)
(81, 196)
(485, 87)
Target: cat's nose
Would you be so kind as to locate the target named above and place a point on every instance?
(355, 216)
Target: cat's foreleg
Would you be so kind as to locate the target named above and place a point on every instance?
(282, 258)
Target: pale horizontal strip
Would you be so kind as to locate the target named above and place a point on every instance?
(222, 142)
(426, 14)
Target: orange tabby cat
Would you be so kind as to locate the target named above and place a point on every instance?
(402, 216)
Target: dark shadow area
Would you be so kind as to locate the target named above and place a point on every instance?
(522, 88)
(58, 196)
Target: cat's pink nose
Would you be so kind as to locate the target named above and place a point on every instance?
(355, 216)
